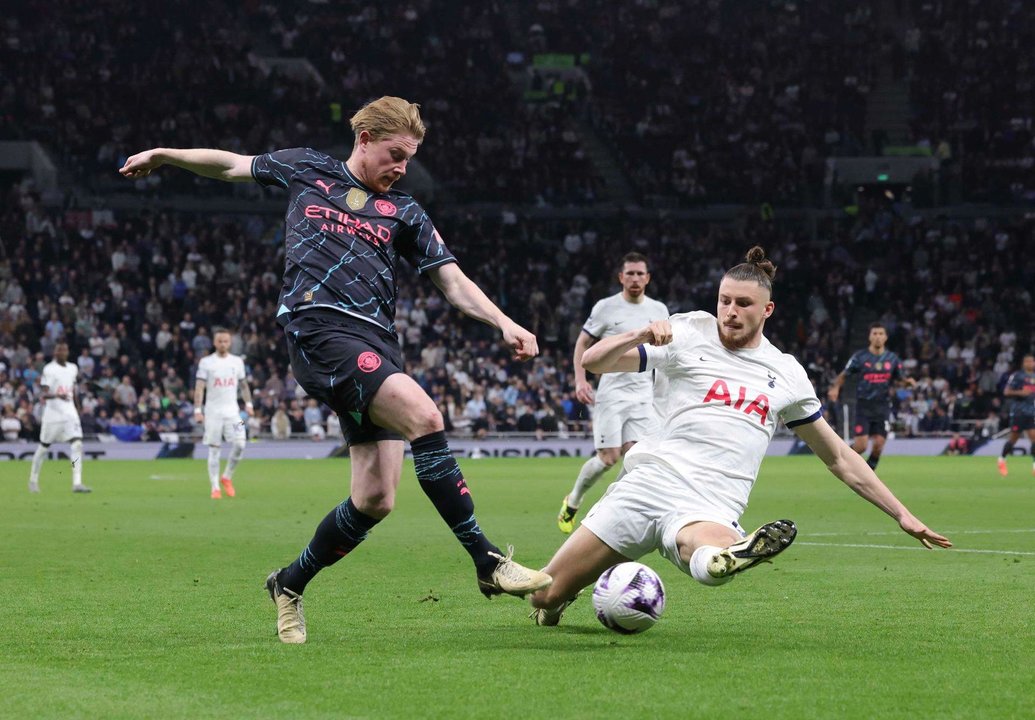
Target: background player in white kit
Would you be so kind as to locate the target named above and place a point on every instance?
(60, 418)
(622, 412)
(688, 485)
(219, 377)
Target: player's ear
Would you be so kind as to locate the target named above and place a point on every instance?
(769, 307)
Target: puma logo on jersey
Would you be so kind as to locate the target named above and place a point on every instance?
(325, 186)
(720, 392)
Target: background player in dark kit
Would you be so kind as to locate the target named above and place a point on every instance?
(877, 369)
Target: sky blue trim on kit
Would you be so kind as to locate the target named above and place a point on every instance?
(805, 421)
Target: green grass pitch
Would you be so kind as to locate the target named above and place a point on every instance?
(145, 600)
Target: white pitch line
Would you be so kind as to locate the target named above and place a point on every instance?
(903, 547)
(944, 532)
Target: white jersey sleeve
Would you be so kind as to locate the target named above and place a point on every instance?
(612, 316)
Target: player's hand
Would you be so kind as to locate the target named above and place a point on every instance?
(522, 342)
(658, 332)
(141, 164)
(249, 409)
(62, 396)
(833, 394)
(199, 416)
(924, 534)
(584, 393)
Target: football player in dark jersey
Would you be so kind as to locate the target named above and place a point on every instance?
(345, 229)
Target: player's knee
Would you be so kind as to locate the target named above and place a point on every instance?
(609, 456)
(238, 446)
(425, 420)
(376, 504)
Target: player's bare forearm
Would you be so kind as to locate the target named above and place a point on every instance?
(199, 396)
(618, 353)
(246, 393)
(835, 387)
(468, 298)
(850, 468)
(465, 296)
(210, 163)
(582, 344)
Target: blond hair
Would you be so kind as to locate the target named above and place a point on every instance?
(388, 116)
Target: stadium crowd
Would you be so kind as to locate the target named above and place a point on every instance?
(790, 90)
(137, 294)
(137, 298)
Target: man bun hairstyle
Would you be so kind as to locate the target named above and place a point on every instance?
(755, 269)
(389, 116)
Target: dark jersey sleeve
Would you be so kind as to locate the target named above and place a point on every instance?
(1015, 382)
(896, 367)
(853, 365)
(422, 246)
(278, 167)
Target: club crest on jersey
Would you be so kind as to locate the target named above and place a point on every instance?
(368, 361)
(385, 207)
(356, 199)
(720, 392)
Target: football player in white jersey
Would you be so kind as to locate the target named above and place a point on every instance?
(60, 418)
(622, 412)
(219, 378)
(687, 486)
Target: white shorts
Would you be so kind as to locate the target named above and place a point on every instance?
(60, 430)
(641, 513)
(615, 424)
(224, 428)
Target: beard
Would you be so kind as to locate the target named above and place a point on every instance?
(734, 342)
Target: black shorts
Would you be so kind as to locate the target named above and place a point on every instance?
(871, 418)
(342, 361)
(1020, 422)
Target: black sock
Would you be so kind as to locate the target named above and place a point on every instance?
(1007, 449)
(872, 461)
(336, 536)
(441, 480)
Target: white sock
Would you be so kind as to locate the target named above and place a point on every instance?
(591, 470)
(699, 566)
(37, 462)
(77, 463)
(236, 451)
(213, 467)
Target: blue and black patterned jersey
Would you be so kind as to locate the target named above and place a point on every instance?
(1018, 405)
(343, 239)
(876, 372)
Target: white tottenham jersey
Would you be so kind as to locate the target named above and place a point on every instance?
(222, 375)
(720, 407)
(59, 379)
(615, 315)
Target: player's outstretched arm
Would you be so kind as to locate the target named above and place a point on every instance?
(216, 164)
(852, 470)
(618, 353)
(835, 387)
(583, 388)
(468, 298)
(199, 397)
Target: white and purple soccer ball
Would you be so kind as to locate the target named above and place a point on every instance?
(629, 598)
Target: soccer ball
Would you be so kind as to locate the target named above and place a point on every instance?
(629, 598)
